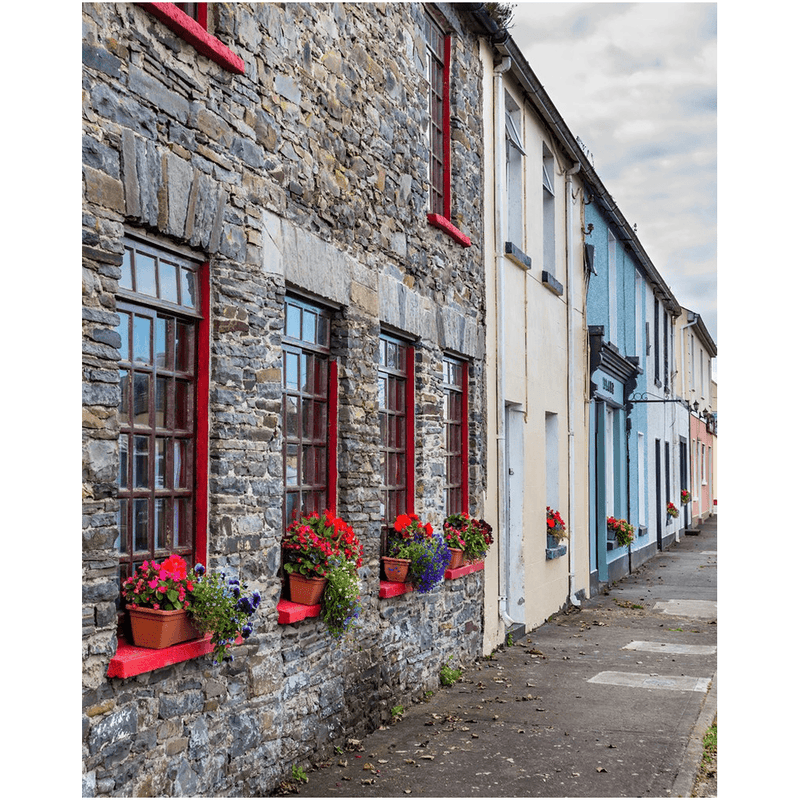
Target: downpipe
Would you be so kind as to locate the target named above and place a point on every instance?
(500, 226)
(571, 381)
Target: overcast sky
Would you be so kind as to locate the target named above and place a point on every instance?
(637, 83)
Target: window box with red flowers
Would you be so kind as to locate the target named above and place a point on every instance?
(620, 531)
(672, 511)
(469, 537)
(322, 559)
(183, 614)
(556, 533)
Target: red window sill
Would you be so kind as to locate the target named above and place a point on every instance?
(453, 574)
(192, 32)
(394, 588)
(444, 224)
(289, 612)
(129, 660)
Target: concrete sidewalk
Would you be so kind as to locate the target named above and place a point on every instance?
(611, 700)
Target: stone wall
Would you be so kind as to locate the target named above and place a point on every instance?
(307, 173)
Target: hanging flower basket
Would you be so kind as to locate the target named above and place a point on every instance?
(672, 510)
(686, 497)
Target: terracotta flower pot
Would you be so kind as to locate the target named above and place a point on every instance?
(158, 629)
(456, 558)
(306, 591)
(396, 569)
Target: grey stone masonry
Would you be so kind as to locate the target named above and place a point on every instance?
(305, 175)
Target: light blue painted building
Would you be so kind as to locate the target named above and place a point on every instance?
(624, 295)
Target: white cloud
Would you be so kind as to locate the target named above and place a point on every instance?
(637, 83)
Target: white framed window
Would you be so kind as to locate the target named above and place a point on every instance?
(548, 212)
(612, 287)
(515, 153)
(704, 474)
(639, 324)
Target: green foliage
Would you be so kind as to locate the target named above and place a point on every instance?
(219, 607)
(509, 640)
(710, 744)
(299, 774)
(342, 602)
(397, 712)
(449, 675)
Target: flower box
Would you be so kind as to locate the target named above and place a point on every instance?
(306, 591)
(158, 629)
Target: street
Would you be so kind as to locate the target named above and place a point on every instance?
(609, 700)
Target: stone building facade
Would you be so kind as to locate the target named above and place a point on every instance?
(268, 157)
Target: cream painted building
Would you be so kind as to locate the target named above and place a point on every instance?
(537, 356)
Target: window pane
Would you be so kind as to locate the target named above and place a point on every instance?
(291, 372)
(140, 520)
(160, 525)
(291, 431)
(320, 420)
(123, 461)
(145, 275)
(179, 464)
(122, 524)
(168, 281)
(124, 398)
(161, 402)
(309, 326)
(307, 372)
(293, 321)
(291, 464)
(183, 411)
(323, 330)
(183, 531)
(292, 502)
(161, 463)
(161, 344)
(309, 466)
(188, 291)
(183, 347)
(141, 461)
(141, 399)
(124, 334)
(142, 339)
(126, 281)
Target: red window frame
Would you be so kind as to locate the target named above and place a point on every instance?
(194, 31)
(456, 435)
(439, 54)
(397, 427)
(310, 410)
(190, 309)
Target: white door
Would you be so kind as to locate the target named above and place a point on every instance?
(515, 562)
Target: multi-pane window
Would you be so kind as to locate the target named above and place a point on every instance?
(396, 416)
(308, 410)
(159, 313)
(455, 432)
(436, 63)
